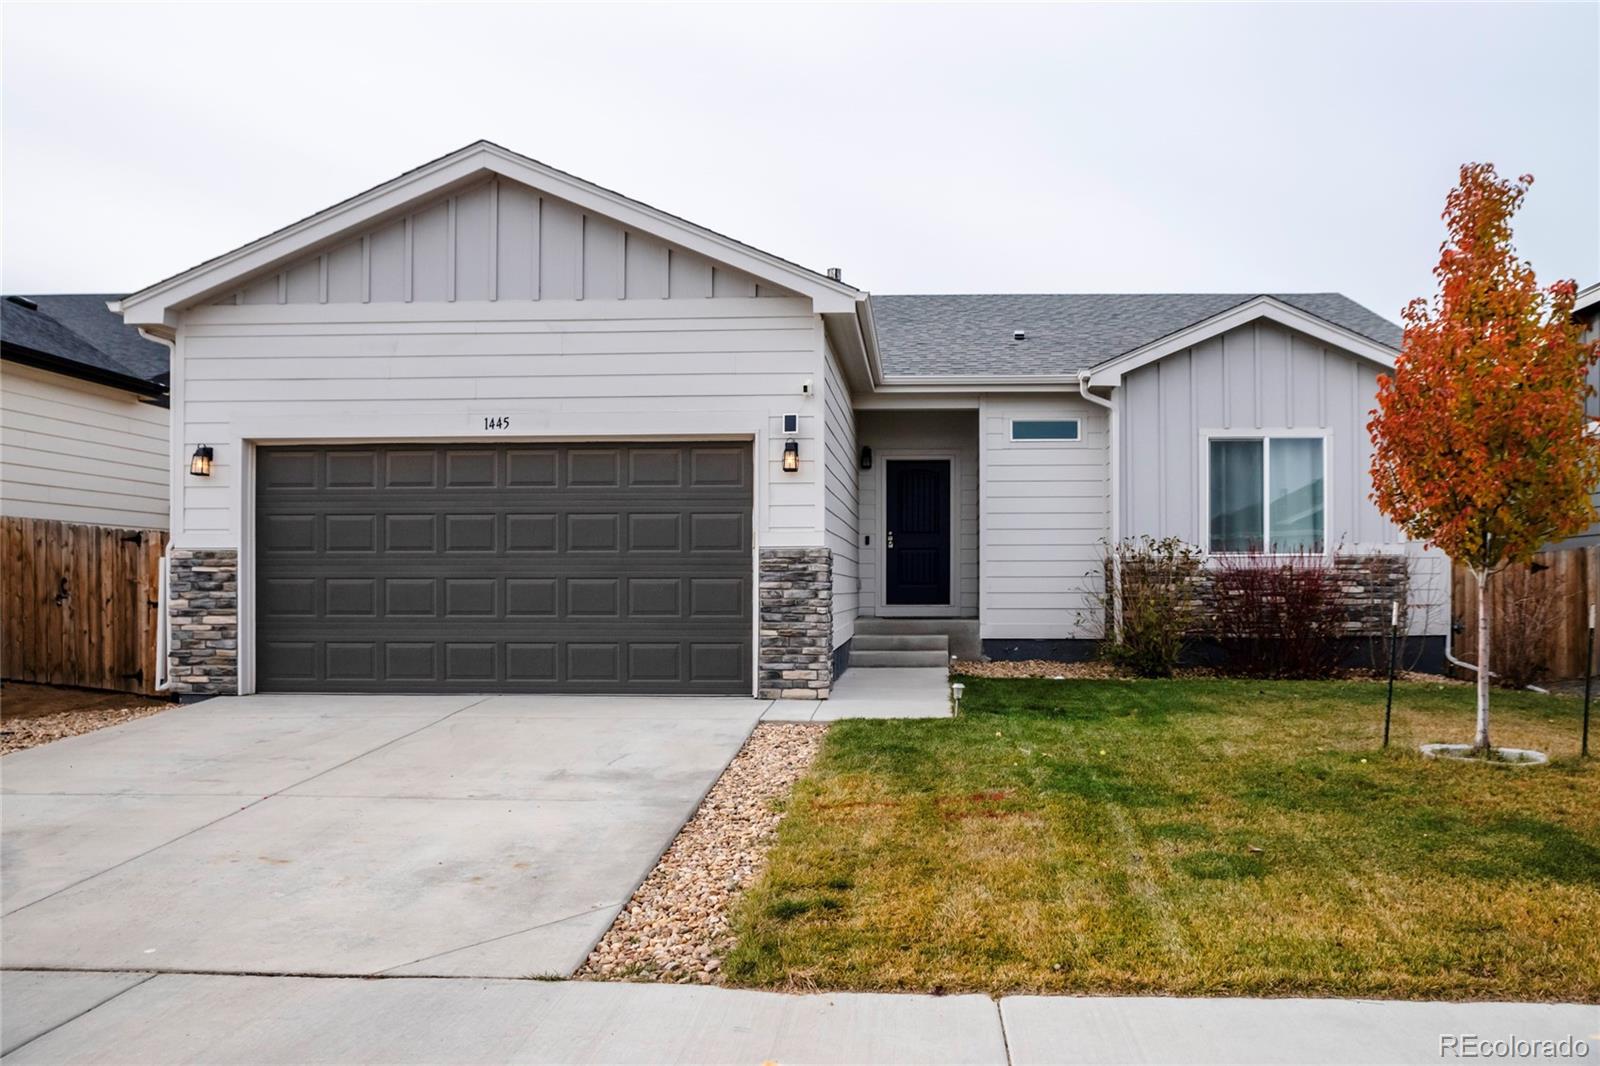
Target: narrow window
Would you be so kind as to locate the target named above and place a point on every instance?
(1267, 494)
(1044, 429)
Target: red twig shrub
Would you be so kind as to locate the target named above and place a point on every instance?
(1278, 616)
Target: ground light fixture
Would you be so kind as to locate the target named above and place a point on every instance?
(791, 457)
(956, 689)
(200, 462)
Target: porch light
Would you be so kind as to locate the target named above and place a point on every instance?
(791, 457)
(866, 458)
(200, 462)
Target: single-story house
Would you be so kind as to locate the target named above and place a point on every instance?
(83, 410)
(1586, 310)
(489, 426)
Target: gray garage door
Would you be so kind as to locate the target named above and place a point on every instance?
(574, 568)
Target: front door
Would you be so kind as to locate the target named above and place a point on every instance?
(917, 532)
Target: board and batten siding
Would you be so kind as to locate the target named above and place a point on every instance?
(841, 504)
(1045, 519)
(491, 241)
(1251, 380)
(914, 433)
(566, 370)
(74, 451)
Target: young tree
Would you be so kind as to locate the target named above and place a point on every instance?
(1481, 439)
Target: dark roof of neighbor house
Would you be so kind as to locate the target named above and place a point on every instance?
(75, 334)
(1067, 333)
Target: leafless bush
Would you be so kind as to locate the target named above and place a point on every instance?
(1160, 582)
(1278, 616)
(1524, 627)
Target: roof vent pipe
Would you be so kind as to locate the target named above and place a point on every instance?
(1018, 335)
(835, 273)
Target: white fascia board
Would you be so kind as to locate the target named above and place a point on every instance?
(156, 305)
(1110, 373)
(1586, 299)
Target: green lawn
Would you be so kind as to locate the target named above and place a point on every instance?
(1187, 837)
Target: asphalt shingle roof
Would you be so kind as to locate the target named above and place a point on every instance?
(79, 329)
(1066, 333)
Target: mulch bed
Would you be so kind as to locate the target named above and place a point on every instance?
(675, 928)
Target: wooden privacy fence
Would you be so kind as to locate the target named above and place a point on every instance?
(1538, 612)
(81, 604)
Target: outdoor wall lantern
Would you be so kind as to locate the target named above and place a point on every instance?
(200, 462)
(791, 457)
(866, 458)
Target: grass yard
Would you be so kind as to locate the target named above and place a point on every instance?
(1187, 837)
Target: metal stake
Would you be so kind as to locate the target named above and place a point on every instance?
(1394, 648)
(1588, 678)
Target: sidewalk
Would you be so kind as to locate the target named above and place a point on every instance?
(173, 1018)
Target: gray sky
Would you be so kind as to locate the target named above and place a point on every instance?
(921, 148)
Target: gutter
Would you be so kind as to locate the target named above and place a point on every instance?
(1115, 521)
(83, 372)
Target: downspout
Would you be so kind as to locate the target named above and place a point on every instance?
(1114, 499)
(163, 635)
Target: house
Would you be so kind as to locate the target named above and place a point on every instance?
(83, 405)
(491, 426)
(1586, 309)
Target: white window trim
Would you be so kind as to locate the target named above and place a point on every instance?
(1264, 435)
(1048, 442)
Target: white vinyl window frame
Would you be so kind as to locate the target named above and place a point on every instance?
(1265, 437)
(1048, 442)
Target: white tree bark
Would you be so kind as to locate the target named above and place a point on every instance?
(1480, 739)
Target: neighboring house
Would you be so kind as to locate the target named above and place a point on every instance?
(83, 409)
(1587, 311)
(490, 426)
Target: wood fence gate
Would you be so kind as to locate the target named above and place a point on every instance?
(1540, 610)
(81, 604)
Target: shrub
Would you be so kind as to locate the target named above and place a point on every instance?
(1524, 626)
(1160, 593)
(1278, 616)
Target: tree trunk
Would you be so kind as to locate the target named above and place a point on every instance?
(1480, 740)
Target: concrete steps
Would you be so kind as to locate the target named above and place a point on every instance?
(899, 649)
(960, 636)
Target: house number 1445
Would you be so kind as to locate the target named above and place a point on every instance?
(497, 422)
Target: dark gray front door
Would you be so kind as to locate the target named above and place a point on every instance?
(522, 567)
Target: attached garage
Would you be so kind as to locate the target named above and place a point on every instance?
(532, 567)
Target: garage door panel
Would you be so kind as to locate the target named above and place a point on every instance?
(520, 567)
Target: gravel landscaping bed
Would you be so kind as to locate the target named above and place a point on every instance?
(675, 928)
(21, 733)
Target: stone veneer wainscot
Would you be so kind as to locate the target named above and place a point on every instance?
(203, 620)
(796, 657)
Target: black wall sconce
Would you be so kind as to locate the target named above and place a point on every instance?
(866, 458)
(791, 457)
(200, 462)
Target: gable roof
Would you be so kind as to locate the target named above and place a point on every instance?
(76, 334)
(1068, 334)
(155, 305)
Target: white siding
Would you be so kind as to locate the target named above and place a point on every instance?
(1045, 519)
(497, 240)
(78, 452)
(568, 370)
(841, 524)
(1259, 377)
(920, 432)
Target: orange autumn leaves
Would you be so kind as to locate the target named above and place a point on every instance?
(1482, 444)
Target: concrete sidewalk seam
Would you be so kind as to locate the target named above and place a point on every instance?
(68, 1021)
(1005, 1034)
(388, 970)
(234, 813)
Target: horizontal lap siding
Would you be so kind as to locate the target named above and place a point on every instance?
(1045, 520)
(841, 523)
(954, 432)
(79, 452)
(1258, 377)
(267, 377)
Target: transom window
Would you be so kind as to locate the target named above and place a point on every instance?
(1267, 494)
(1044, 429)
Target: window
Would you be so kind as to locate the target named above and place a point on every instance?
(1044, 429)
(1266, 494)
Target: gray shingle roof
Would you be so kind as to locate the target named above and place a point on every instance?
(77, 328)
(1067, 333)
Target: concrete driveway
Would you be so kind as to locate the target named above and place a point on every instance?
(419, 835)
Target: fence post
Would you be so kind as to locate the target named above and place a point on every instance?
(1588, 679)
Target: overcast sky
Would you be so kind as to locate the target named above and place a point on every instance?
(1245, 148)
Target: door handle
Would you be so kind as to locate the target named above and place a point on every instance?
(888, 544)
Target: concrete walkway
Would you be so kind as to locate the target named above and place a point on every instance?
(183, 1018)
(874, 692)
